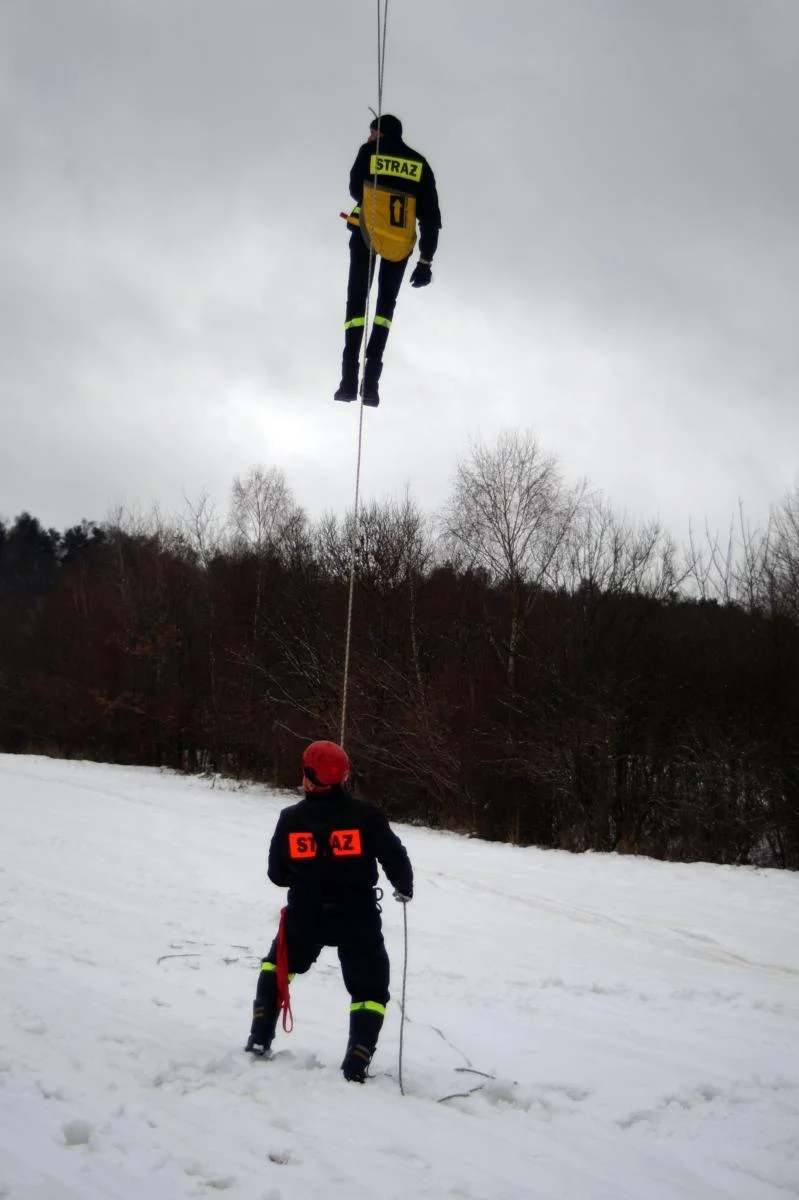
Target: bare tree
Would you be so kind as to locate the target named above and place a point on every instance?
(783, 573)
(393, 548)
(264, 515)
(511, 515)
(199, 529)
(607, 554)
(731, 572)
(266, 522)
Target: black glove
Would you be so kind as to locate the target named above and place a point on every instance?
(403, 899)
(422, 274)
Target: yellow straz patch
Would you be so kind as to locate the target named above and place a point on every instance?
(404, 168)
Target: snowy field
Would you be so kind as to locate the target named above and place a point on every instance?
(632, 1027)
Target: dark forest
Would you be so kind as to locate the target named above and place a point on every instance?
(527, 666)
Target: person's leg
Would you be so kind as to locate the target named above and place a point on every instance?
(366, 971)
(389, 281)
(265, 1008)
(303, 950)
(355, 316)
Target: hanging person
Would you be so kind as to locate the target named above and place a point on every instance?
(394, 189)
(325, 850)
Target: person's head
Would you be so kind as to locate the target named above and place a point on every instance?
(390, 127)
(324, 765)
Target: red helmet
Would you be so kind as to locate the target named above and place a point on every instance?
(324, 764)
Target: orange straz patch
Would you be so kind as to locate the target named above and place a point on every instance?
(344, 842)
(302, 845)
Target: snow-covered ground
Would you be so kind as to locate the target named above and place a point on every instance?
(632, 1026)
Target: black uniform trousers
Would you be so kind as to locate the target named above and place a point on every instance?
(389, 280)
(356, 931)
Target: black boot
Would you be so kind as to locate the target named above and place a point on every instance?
(348, 388)
(365, 1026)
(371, 378)
(264, 1013)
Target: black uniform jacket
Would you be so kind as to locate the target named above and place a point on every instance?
(325, 850)
(399, 165)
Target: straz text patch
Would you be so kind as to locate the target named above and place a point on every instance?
(344, 843)
(399, 168)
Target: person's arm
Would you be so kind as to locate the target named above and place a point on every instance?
(392, 855)
(429, 217)
(278, 868)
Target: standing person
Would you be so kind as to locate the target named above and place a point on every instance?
(393, 187)
(325, 850)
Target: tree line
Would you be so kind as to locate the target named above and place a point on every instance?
(526, 666)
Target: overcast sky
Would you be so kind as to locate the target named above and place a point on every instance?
(618, 269)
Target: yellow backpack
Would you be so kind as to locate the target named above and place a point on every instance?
(388, 221)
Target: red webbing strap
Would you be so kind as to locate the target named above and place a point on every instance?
(282, 972)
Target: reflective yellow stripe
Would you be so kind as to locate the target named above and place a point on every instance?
(355, 322)
(398, 168)
(369, 1006)
(266, 966)
(383, 321)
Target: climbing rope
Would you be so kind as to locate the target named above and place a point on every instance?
(402, 1000)
(353, 549)
(382, 21)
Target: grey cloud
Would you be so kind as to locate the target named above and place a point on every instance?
(617, 268)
